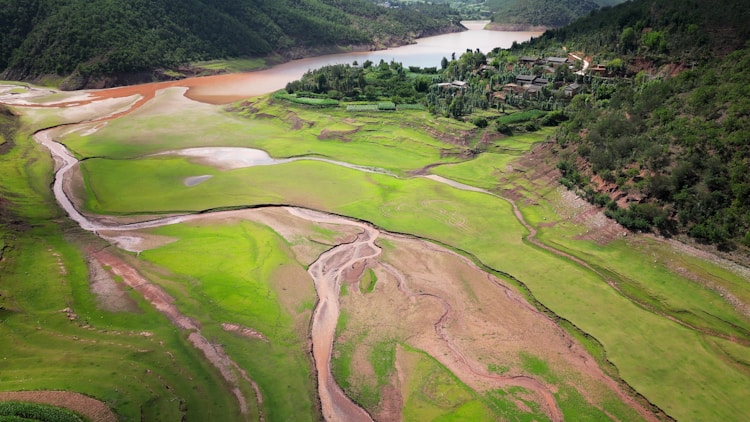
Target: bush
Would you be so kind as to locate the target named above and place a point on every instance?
(521, 116)
(36, 412)
(554, 118)
(480, 122)
(504, 129)
(314, 100)
(410, 107)
(362, 107)
(531, 126)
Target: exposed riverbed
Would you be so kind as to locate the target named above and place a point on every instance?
(327, 270)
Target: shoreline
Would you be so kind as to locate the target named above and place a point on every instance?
(515, 27)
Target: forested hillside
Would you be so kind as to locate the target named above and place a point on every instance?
(662, 140)
(541, 13)
(99, 37)
(523, 13)
(667, 31)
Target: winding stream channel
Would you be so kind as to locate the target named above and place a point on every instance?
(326, 273)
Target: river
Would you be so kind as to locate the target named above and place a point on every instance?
(426, 52)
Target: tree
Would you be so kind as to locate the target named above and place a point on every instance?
(457, 107)
(628, 40)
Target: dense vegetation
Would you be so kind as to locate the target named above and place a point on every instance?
(520, 13)
(551, 14)
(20, 411)
(677, 147)
(101, 37)
(662, 151)
(368, 82)
(662, 31)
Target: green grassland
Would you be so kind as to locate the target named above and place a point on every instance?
(483, 171)
(631, 335)
(395, 144)
(36, 412)
(232, 275)
(431, 392)
(42, 272)
(232, 65)
(668, 363)
(689, 374)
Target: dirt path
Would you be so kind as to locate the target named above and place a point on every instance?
(85, 405)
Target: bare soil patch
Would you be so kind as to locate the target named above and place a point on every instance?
(341, 135)
(163, 302)
(539, 169)
(243, 331)
(110, 295)
(441, 303)
(297, 122)
(89, 407)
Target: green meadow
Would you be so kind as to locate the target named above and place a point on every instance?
(398, 145)
(690, 373)
(135, 362)
(432, 392)
(232, 65)
(231, 273)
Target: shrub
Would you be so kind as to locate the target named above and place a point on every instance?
(36, 412)
(554, 118)
(480, 122)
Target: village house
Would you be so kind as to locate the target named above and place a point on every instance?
(460, 85)
(598, 70)
(513, 89)
(523, 80)
(572, 89)
(540, 81)
(529, 61)
(533, 90)
(487, 68)
(557, 61)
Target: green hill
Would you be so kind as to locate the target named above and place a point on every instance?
(664, 30)
(661, 141)
(104, 37)
(541, 13)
